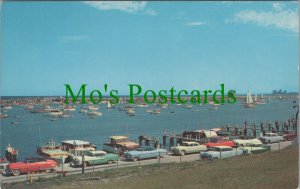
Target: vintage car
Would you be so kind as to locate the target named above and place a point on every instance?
(242, 141)
(119, 144)
(31, 165)
(94, 158)
(289, 135)
(3, 165)
(216, 141)
(187, 148)
(145, 152)
(255, 148)
(270, 138)
(221, 152)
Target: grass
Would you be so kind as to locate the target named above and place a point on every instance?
(271, 170)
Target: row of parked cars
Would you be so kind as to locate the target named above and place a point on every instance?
(216, 148)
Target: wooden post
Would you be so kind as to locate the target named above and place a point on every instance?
(159, 157)
(82, 164)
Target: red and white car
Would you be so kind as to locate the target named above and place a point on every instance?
(289, 135)
(216, 141)
(31, 165)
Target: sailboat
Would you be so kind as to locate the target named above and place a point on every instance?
(108, 105)
(260, 101)
(249, 102)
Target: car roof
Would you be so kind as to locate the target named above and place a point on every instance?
(189, 142)
(35, 158)
(98, 152)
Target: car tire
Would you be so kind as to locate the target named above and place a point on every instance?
(48, 170)
(269, 142)
(182, 153)
(109, 162)
(86, 164)
(16, 172)
(134, 158)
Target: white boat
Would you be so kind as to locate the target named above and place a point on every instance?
(3, 116)
(149, 111)
(261, 101)
(130, 112)
(142, 105)
(156, 111)
(55, 112)
(108, 105)
(93, 108)
(7, 107)
(70, 108)
(94, 113)
(188, 106)
(249, 101)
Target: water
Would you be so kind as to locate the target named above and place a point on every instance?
(35, 128)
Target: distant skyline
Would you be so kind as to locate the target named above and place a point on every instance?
(248, 46)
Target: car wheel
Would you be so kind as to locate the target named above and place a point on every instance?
(48, 170)
(109, 161)
(86, 164)
(269, 142)
(16, 172)
(182, 153)
(135, 159)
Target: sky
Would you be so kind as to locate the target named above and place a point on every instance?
(248, 46)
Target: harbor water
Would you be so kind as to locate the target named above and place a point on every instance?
(25, 131)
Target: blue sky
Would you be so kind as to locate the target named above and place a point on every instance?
(189, 45)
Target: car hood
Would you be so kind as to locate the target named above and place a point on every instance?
(17, 164)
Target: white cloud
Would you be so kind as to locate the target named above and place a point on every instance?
(125, 6)
(279, 17)
(196, 23)
(277, 6)
(151, 12)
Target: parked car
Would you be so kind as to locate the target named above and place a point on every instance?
(145, 153)
(187, 148)
(3, 165)
(219, 142)
(270, 138)
(289, 135)
(255, 148)
(94, 158)
(31, 165)
(221, 152)
(242, 141)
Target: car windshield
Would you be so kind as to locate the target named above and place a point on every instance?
(184, 144)
(216, 149)
(98, 154)
(214, 140)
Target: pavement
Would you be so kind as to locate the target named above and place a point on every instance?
(119, 164)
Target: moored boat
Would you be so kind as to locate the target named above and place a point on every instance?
(119, 144)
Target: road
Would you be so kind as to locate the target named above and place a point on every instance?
(120, 164)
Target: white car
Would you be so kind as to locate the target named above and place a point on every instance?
(270, 138)
(245, 141)
(188, 148)
(222, 152)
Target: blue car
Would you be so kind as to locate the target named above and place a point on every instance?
(145, 153)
